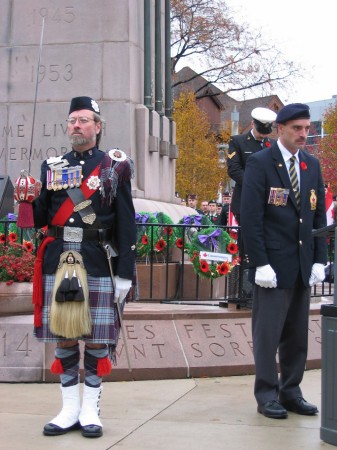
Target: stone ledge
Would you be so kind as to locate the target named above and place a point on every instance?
(165, 341)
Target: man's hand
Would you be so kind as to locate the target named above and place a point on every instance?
(317, 274)
(265, 277)
(122, 287)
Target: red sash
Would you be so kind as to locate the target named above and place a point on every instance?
(67, 208)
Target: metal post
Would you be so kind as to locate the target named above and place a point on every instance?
(328, 431)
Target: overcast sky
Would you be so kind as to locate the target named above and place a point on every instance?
(305, 31)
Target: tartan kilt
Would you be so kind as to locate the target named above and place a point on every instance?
(104, 316)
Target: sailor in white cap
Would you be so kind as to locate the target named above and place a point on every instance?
(243, 145)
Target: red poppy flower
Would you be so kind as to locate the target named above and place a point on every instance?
(12, 237)
(145, 239)
(2, 238)
(232, 248)
(179, 243)
(28, 245)
(233, 234)
(223, 268)
(267, 144)
(168, 230)
(303, 165)
(204, 266)
(160, 245)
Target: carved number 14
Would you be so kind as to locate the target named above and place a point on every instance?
(22, 347)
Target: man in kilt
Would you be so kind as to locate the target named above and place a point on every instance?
(85, 263)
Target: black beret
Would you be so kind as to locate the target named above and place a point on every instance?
(292, 112)
(78, 103)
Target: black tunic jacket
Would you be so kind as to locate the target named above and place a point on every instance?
(117, 214)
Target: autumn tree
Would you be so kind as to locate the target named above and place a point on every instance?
(198, 170)
(327, 149)
(205, 36)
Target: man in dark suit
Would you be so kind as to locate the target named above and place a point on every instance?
(212, 213)
(242, 146)
(282, 201)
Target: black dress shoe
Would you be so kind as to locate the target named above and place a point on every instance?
(50, 429)
(92, 431)
(300, 406)
(273, 410)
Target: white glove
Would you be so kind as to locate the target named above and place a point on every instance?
(122, 287)
(265, 277)
(317, 274)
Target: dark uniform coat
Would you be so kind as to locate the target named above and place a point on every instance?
(114, 211)
(240, 148)
(281, 235)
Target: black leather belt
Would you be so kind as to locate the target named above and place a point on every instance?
(77, 234)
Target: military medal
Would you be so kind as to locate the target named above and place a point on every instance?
(278, 196)
(93, 183)
(64, 177)
(313, 200)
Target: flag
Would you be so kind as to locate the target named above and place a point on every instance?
(329, 207)
(231, 222)
(219, 200)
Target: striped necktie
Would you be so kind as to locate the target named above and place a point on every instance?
(294, 180)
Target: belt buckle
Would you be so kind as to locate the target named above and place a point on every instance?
(72, 234)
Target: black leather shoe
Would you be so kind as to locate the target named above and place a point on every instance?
(273, 410)
(300, 406)
(50, 429)
(92, 431)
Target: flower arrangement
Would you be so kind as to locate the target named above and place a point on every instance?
(145, 234)
(16, 260)
(165, 233)
(184, 235)
(213, 253)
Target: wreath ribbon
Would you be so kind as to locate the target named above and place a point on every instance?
(192, 220)
(142, 218)
(207, 239)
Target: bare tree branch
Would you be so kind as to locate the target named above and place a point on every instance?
(206, 37)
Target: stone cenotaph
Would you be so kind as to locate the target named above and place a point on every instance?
(117, 52)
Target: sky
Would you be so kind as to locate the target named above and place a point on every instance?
(305, 32)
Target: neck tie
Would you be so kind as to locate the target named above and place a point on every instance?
(294, 180)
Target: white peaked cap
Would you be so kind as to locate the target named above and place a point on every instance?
(263, 115)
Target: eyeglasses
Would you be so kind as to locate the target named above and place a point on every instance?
(81, 120)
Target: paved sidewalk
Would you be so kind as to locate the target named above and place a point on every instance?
(188, 414)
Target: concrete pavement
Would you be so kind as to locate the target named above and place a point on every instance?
(199, 414)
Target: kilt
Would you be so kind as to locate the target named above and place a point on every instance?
(103, 311)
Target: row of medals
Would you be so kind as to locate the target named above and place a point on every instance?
(64, 178)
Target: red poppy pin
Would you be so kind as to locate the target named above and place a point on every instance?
(303, 165)
(267, 144)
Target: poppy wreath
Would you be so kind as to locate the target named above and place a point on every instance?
(185, 234)
(213, 240)
(146, 235)
(165, 233)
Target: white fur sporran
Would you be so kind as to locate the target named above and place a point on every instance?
(70, 312)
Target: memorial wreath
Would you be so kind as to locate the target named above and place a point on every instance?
(213, 253)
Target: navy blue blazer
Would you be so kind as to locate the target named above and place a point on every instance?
(282, 235)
